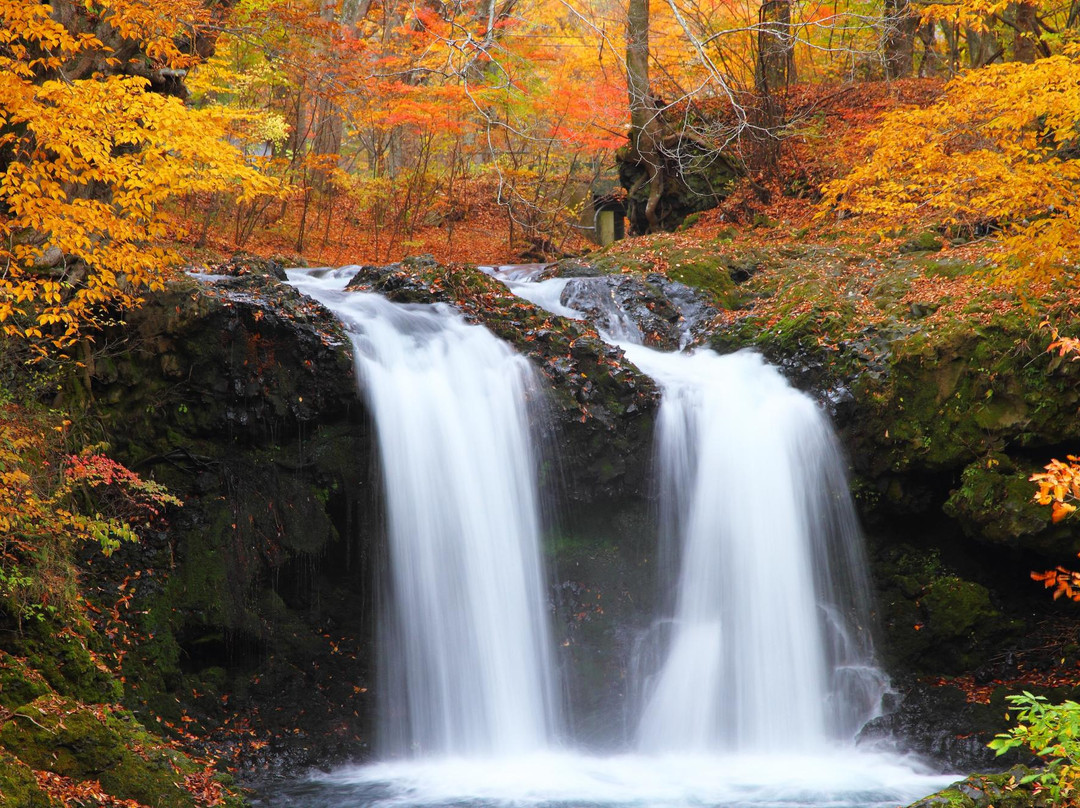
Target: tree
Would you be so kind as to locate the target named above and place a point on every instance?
(94, 142)
(998, 151)
(646, 123)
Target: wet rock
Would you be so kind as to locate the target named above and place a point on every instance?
(601, 405)
(940, 725)
(254, 421)
(652, 310)
(244, 264)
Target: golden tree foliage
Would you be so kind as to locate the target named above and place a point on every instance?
(977, 15)
(998, 149)
(86, 163)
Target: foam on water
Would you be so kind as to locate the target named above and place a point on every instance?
(839, 779)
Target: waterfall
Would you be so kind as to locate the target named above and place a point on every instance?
(762, 659)
(464, 648)
(768, 645)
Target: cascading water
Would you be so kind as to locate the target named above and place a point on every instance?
(769, 647)
(464, 649)
(767, 655)
(769, 644)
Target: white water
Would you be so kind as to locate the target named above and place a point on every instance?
(566, 780)
(466, 667)
(769, 645)
(751, 714)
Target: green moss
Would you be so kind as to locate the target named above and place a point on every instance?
(935, 620)
(927, 241)
(690, 221)
(67, 738)
(956, 608)
(707, 271)
(994, 503)
(615, 263)
(988, 791)
(948, 267)
(953, 393)
(19, 684)
(64, 659)
(202, 586)
(18, 788)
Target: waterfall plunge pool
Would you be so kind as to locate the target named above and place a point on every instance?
(841, 778)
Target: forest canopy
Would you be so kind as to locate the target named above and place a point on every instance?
(367, 125)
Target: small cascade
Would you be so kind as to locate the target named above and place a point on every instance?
(464, 649)
(768, 646)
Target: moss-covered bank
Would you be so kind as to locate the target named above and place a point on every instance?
(60, 739)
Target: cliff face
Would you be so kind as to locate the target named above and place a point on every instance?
(256, 600)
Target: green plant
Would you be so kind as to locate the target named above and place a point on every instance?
(1052, 732)
(51, 503)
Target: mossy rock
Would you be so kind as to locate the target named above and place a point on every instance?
(935, 621)
(994, 503)
(956, 609)
(988, 791)
(66, 663)
(604, 262)
(110, 747)
(955, 393)
(19, 683)
(927, 241)
(710, 272)
(18, 788)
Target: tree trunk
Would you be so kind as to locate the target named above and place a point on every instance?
(983, 48)
(775, 67)
(328, 124)
(898, 40)
(1026, 32)
(930, 64)
(646, 126)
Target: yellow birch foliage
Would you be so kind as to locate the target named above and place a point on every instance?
(86, 164)
(999, 149)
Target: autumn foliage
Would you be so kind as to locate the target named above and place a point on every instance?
(53, 502)
(89, 157)
(1059, 487)
(997, 152)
